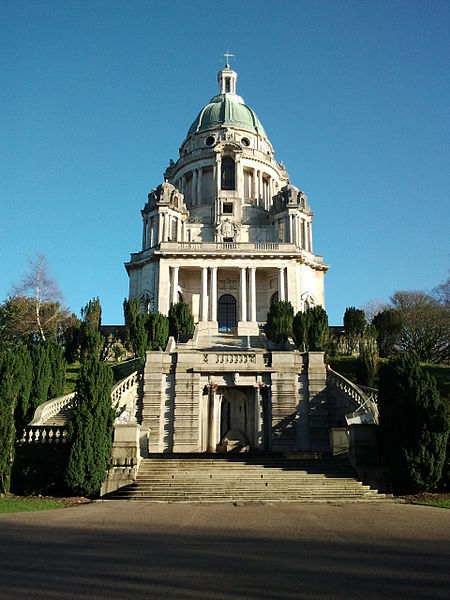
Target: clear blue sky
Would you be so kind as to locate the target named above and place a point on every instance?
(97, 96)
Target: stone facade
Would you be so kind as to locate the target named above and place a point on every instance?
(228, 233)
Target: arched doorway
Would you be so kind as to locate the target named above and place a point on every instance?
(227, 313)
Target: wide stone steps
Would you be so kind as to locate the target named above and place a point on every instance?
(60, 418)
(249, 479)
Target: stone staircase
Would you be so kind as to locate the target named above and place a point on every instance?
(249, 478)
(60, 419)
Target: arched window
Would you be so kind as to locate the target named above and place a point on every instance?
(227, 313)
(228, 174)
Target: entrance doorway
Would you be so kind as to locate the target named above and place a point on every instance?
(234, 422)
(227, 313)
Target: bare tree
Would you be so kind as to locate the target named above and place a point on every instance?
(425, 328)
(38, 299)
(373, 307)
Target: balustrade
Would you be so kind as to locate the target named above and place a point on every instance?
(356, 393)
(123, 395)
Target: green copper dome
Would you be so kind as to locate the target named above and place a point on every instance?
(226, 109)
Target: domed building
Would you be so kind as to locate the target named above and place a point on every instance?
(228, 233)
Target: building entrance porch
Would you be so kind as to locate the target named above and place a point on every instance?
(236, 419)
(225, 299)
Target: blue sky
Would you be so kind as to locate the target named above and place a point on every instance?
(96, 97)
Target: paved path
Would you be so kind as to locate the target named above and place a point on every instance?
(119, 550)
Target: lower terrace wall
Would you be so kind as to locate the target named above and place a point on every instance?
(287, 389)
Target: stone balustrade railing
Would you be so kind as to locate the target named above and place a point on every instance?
(44, 434)
(243, 247)
(51, 408)
(123, 398)
(367, 402)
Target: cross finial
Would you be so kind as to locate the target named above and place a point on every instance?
(227, 56)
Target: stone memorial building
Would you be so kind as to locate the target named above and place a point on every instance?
(228, 233)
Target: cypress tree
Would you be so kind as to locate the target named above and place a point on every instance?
(90, 428)
(135, 326)
(90, 339)
(388, 324)
(354, 326)
(310, 329)
(57, 368)
(415, 424)
(181, 321)
(8, 400)
(24, 367)
(367, 362)
(157, 330)
(279, 321)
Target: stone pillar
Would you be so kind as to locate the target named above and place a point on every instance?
(212, 418)
(218, 173)
(304, 234)
(204, 295)
(194, 188)
(260, 188)
(254, 193)
(281, 294)
(243, 294)
(213, 294)
(291, 229)
(179, 230)
(310, 237)
(174, 287)
(199, 186)
(160, 228)
(259, 441)
(239, 177)
(252, 293)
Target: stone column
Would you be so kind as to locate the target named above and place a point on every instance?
(194, 188)
(160, 228)
(281, 294)
(304, 244)
(291, 230)
(260, 188)
(174, 286)
(212, 418)
(254, 193)
(252, 293)
(179, 230)
(204, 295)
(239, 177)
(199, 186)
(218, 174)
(243, 293)
(213, 294)
(310, 237)
(258, 418)
(144, 232)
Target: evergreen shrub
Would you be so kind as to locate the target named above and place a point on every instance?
(415, 424)
(279, 321)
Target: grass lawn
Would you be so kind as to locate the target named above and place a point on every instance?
(12, 504)
(437, 500)
(72, 372)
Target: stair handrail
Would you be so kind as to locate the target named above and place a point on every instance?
(50, 408)
(119, 393)
(363, 396)
(123, 396)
